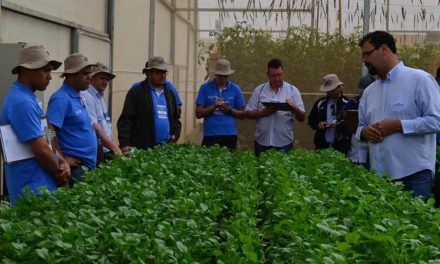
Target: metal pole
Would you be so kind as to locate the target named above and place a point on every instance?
(387, 25)
(328, 17)
(151, 28)
(340, 18)
(366, 29)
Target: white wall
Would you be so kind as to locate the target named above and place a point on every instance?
(126, 53)
(89, 13)
(15, 28)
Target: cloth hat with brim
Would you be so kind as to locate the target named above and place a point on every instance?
(155, 62)
(330, 83)
(75, 63)
(101, 68)
(223, 67)
(34, 57)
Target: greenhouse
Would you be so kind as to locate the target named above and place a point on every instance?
(228, 131)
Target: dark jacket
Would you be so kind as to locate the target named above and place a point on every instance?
(136, 123)
(319, 113)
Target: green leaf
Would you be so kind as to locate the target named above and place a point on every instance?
(42, 252)
(181, 247)
(352, 237)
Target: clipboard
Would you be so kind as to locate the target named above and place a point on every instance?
(278, 106)
(13, 149)
(350, 120)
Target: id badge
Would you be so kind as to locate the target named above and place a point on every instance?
(107, 117)
(162, 111)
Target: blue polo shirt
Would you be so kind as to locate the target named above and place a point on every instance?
(76, 136)
(161, 122)
(219, 123)
(22, 112)
(170, 86)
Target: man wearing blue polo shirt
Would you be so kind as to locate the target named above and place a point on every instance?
(220, 102)
(150, 116)
(68, 114)
(22, 112)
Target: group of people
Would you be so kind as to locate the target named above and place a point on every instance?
(398, 113)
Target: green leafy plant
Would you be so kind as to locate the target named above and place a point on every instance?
(190, 204)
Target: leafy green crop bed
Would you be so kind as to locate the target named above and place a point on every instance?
(188, 204)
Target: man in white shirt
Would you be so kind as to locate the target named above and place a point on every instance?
(274, 129)
(97, 109)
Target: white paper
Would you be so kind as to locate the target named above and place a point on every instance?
(12, 148)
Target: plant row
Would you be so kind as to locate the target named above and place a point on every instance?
(189, 204)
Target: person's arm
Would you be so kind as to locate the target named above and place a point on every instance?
(46, 159)
(297, 105)
(252, 111)
(427, 121)
(106, 141)
(237, 113)
(300, 115)
(313, 119)
(126, 120)
(177, 124)
(202, 112)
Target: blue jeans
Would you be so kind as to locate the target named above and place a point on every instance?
(420, 183)
(77, 174)
(260, 148)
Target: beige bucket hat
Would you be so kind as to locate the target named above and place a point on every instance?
(330, 82)
(101, 68)
(155, 62)
(75, 63)
(223, 67)
(34, 57)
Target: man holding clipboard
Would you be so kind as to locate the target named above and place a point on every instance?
(22, 112)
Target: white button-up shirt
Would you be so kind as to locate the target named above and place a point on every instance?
(275, 130)
(413, 97)
(97, 110)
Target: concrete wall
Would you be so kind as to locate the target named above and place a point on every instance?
(122, 34)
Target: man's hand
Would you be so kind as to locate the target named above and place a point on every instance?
(218, 102)
(267, 111)
(292, 104)
(125, 149)
(388, 126)
(372, 134)
(63, 174)
(173, 139)
(323, 125)
(225, 108)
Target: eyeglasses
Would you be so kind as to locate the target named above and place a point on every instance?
(368, 53)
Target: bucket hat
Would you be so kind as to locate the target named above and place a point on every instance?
(223, 67)
(155, 62)
(101, 68)
(330, 82)
(75, 63)
(34, 57)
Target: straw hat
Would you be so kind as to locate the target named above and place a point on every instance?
(101, 68)
(155, 62)
(75, 63)
(330, 82)
(223, 67)
(34, 57)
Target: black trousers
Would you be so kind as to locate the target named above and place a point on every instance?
(223, 141)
